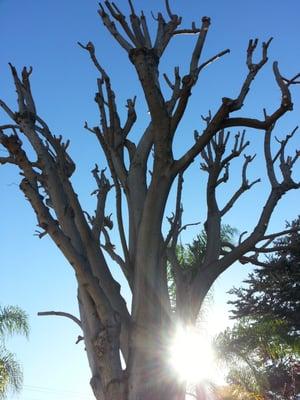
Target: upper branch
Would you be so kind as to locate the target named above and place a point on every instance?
(286, 105)
(222, 117)
(285, 163)
(61, 314)
(110, 249)
(112, 137)
(175, 220)
(214, 161)
(245, 185)
(253, 70)
(111, 27)
(278, 189)
(102, 191)
(190, 80)
(199, 45)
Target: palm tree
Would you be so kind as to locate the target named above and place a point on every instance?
(261, 359)
(13, 320)
(188, 258)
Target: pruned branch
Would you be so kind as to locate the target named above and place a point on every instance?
(213, 59)
(131, 117)
(269, 121)
(175, 220)
(285, 163)
(176, 89)
(187, 31)
(185, 226)
(145, 29)
(199, 45)
(191, 79)
(102, 191)
(241, 237)
(8, 111)
(239, 146)
(79, 339)
(222, 120)
(252, 260)
(281, 233)
(25, 99)
(168, 8)
(7, 160)
(111, 27)
(292, 81)
(286, 101)
(268, 157)
(253, 70)
(120, 17)
(112, 136)
(213, 127)
(245, 185)
(110, 249)
(165, 32)
(269, 249)
(60, 314)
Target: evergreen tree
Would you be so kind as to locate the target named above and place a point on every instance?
(273, 291)
(262, 349)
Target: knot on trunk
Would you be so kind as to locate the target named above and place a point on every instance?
(25, 117)
(107, 338)
(101, 343)
(145, 54)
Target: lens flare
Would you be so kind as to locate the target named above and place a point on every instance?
(191, 355)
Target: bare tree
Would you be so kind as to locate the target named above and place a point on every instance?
(109, 329)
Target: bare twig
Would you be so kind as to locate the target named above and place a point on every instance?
(175, 221)
(8, 111)
(184, 227)
(60, 314)
(110, 249)
(245, 185)
(213, 59)
(281, 233)
(102, 191)
(170, 14)
(113, 30)
(199, 45)
(193, 31)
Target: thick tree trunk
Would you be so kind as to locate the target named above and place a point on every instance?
(102, 346)
(148, 375)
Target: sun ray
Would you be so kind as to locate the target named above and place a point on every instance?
(191, 355)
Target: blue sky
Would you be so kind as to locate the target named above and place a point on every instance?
(44, 34)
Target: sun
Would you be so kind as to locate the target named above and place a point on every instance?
(191, 355)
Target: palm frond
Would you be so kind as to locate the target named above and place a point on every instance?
(13, 320)
(11, 376)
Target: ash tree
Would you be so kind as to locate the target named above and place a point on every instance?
(109, 329)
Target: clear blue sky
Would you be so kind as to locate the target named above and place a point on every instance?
(43, 34)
